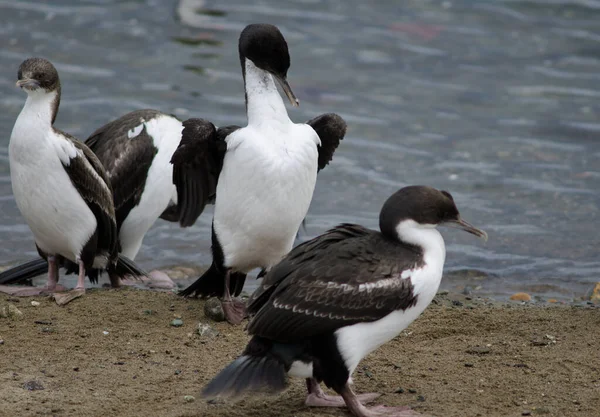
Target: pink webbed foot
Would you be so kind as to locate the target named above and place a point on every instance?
(155, 279)
(235, 310)
(160, 280)
(29, 291)
(359, 410)
(64, 298)
(383, 410)
(314, 400)
(317, 398)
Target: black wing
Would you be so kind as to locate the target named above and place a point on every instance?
(126, 160)
(197, 163)
(331, 129)
(91, 181)
(346, 276)
(300, 254)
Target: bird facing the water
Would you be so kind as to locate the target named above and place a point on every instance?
(336, 298)
(265, 173)
(61, 188)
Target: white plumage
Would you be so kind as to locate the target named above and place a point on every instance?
(159, 191)
(267, 180)
(59, 218)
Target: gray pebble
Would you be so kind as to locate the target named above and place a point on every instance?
(206, 331)
(213, 310)
(33, 386)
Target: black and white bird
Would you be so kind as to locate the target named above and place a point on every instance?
(336, 298)
(136, 151)
(265, 173)
(61, 188)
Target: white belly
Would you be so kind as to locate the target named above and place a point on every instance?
(159, 190)
(59, 218)
(357, 341)
(264, 192)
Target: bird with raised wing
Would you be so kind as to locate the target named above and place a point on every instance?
(265, 173)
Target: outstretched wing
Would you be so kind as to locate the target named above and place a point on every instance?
(331, 129)
(126, 149)
(338, 279)
(91, 181)
(197, 163)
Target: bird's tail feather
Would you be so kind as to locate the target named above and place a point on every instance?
(20, 273)
(212, 284)
(126, 266)
(248, 374)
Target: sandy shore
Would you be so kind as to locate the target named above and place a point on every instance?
(116, 353)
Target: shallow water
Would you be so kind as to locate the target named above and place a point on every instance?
(496, 102)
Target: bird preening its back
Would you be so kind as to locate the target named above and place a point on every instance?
(61, 188)
(261, 176)
(334, 299)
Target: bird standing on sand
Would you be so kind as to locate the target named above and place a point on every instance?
(61, 188)
(136, 151)
(265, 173)
(336, 298)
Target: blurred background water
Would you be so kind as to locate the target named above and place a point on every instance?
(494, 101)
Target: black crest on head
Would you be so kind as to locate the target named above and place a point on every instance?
(266, 47)
(40, 70)
(424, 205)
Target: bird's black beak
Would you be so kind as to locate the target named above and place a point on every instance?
(467, 227)
(28, 83)
(287, 90)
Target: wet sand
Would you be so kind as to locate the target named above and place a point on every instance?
(116, 353)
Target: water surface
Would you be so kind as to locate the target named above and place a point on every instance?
(496, 102)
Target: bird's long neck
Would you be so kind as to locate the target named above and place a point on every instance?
(41, 107)
(263, 101)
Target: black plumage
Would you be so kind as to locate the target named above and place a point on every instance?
(331, 129)
(126, 161)
(317, 289)
(197, 163)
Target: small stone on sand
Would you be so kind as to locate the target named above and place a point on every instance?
(177, 323)
(213, 310)
(33, 386)
(10, 311)
(189, 398)
(596, 293)
(206, 331)
(35, 303)
(520, 296)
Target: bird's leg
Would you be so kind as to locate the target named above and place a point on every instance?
(81, 277)
(359, 410)
(78, 291)
(235, 310)
(52, 273)
(317, 398)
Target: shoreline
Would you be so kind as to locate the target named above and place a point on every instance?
(116, 352)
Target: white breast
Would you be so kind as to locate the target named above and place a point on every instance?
(264, 192)
(356, 341)
(59, 218)
(159, 191)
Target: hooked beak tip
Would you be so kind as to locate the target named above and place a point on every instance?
(469, 228)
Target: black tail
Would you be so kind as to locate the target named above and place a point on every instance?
(212, 284)
(248, 374)
(20, 273)
(123, 267)
(126, 266)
